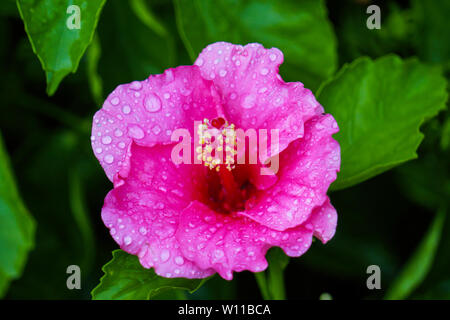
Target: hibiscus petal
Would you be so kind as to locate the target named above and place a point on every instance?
(228, 243)
(254, 94)
(324, 221)
(148, 111)
(143, 213)
(307, 168)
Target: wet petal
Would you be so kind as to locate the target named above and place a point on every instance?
(254, 94)
(228, 243)
(307, 168)
(143, 213)
(148, 111)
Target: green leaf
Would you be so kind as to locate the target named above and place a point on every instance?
(420, 262)
(300, 29)
(126, 279)
(59, 48)
(379, 107)
(16, 226)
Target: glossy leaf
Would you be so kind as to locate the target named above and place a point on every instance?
(126, 279)
(16, 226)
(298, 28)
(58, 47)
(379, 107)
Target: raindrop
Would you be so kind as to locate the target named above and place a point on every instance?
(264, 71)
(136, 132)
(165, 255)
(136, 85)
(199, 62)
(127, 240)
(249, 101)
(126, 109)
(152, 103)
(218, 253)
(115, 101)
(118, 133)
(108, 159)
(156, 129)
(106, 140)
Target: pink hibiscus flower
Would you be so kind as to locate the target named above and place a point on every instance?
(191, 220)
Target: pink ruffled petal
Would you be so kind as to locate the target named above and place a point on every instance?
(143, 213)
(228, 243)
(254, 94)
(324, 221)
(307, 168)
(148, 111)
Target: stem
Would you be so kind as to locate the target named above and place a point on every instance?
(262, 284)
(271, 281)
(276, 283)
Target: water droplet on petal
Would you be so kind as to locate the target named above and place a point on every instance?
(152, 103)
(156, 129)
(106, 140)
(118, 133)
(264, 71)
(165, 255)
(127, 240)
(179, 260)
(115, 101)
(218, 253)
(249, 101)
(222, 73)
(108, 159)
(126, 109)
(136, 85)
(136, 132)
(199, 62)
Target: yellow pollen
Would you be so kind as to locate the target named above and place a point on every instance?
(218, 140)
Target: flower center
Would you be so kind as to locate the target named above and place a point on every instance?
(217, 144)
(227, 186)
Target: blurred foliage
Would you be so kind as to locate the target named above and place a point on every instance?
(382, 221)
(299, 28)
(16, 226)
